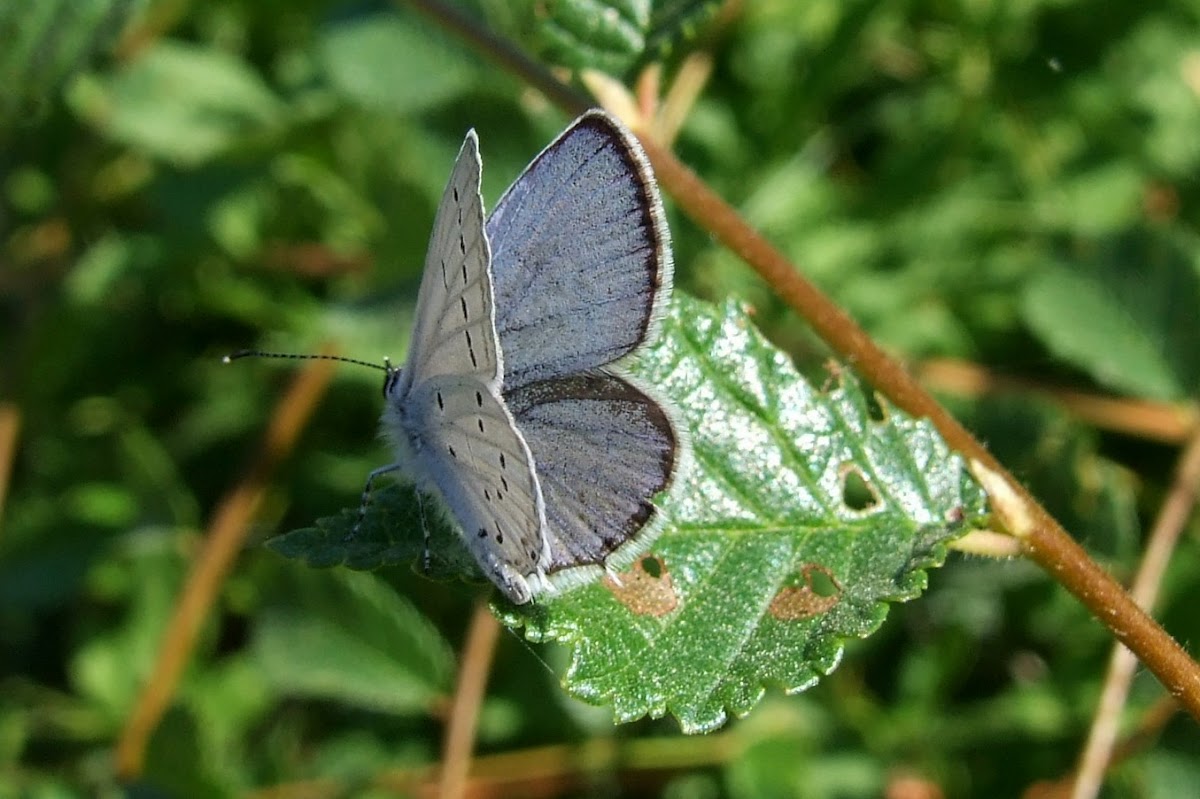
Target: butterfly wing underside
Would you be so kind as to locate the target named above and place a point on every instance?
(471, 450)
(455, 327)
(445, 414)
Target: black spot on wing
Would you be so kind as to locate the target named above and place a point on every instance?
(471, 348)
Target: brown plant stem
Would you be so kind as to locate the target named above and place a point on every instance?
(10, 430)
(1172, 518)
(473, 673)
(222, 542)
(1046, 542)
(549, 771)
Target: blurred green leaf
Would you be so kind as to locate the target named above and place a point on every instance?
(178, 765)
(1168, 775)
(1125, 313)
(143, 573)
(362, 643)
(388, 63)
(1099, 202)
(182, 103)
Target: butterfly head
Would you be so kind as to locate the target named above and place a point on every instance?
(391, 376)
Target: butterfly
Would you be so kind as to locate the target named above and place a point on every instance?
(512, 408)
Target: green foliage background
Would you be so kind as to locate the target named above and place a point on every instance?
(1010, 183)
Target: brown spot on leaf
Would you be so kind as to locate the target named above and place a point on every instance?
(646, 589)
(818, 592)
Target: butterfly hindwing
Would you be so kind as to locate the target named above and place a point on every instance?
(603, 450)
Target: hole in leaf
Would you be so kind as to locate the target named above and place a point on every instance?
(821, 582)
(652, 566)
(857, 493)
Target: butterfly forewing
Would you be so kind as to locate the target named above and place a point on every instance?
(455, 330)
(445, 414)
(580, 254)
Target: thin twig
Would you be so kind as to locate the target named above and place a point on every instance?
(552, 770)
(1170, 423)
(473, 673)
(222, 542)
(1147, 731)
(1169, 525)
(10, 429)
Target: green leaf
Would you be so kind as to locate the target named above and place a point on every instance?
(181, 103)
(363, 645)
(799, 518)
(1126, 315)
(387, 63)
(391, 531)
(614, 35)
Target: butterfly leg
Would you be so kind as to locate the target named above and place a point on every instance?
(366, 499)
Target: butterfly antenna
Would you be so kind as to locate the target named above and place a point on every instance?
(386, 366)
